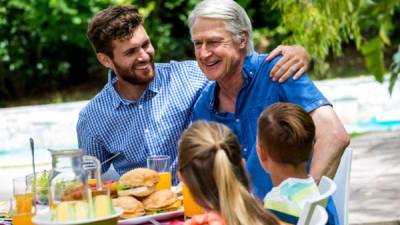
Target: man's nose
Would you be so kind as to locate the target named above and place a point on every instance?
(204, 51)
(143, 55)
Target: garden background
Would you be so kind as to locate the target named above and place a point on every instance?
(45, 56)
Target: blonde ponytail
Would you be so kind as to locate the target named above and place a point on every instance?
(206, 146)
(230, 191)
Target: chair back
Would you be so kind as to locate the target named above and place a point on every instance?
(320, 216)
(342, 179)
(326, 188)
(316, 216)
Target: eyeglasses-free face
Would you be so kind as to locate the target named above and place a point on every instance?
(218, 56)
(210, 44)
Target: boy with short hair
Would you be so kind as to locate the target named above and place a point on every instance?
(285, 143)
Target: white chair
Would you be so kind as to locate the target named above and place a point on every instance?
(318, 216)
(326, 188)
(342, 180)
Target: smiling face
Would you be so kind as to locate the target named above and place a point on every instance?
(133, 58)
(218, 55)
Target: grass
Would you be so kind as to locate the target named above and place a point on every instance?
(357, 134)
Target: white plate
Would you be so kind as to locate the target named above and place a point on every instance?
(144, 219)
(43, 217)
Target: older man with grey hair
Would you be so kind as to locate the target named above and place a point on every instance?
(145, 106)
(222, 35)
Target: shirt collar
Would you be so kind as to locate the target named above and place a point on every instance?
(117, 100)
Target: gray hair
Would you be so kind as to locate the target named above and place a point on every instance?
(234, 16)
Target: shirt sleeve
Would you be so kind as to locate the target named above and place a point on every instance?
(194, 76)
(304, 93)
(89, 144)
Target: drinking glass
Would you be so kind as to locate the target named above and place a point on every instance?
(23, 203)
(41, 186)
(161, 164)
(190, 206)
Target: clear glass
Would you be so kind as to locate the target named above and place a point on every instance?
(41, 186)
(190, 206)
(23, 202)
(93, 168)
(161, 164)
(68, 179)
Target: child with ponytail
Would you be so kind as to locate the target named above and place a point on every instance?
(210, 165)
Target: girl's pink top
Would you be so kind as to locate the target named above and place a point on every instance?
(210, 218)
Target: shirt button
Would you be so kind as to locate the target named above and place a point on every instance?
(146, 130)
(245, 149)
(237, 120)
(140, 106)
(251, 73)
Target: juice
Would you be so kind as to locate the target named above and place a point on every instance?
(24, 202)
(165, 181)
(22, 219)
(190, 207)
(92, 182)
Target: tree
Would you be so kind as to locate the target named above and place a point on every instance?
(322, 26)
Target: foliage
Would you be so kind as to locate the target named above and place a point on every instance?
(43, 44)
(320, 26)
(395, 69)
(323, 26)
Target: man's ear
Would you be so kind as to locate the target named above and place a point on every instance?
(244, 38)
(105, 60)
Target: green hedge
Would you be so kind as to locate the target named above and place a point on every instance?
(43, 44)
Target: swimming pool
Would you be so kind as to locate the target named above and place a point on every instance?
(362, 104)
(51, 126)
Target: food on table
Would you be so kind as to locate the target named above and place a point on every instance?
(161, 201)
(138, 182)
(42, 191)
(82, 210)
(137, 194)
(131, 206)
(112, 185)
(68, 210)
(103, 206)
(74, 192)
(99, 206)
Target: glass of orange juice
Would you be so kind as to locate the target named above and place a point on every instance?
(24, 207)
(190, 206)
(161, 164)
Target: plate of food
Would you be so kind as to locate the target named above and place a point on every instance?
(148, 218)
(71, 214)
(141, 202)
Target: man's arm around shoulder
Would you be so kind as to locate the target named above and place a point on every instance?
(331, 141)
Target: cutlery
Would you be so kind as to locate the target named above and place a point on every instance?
(32, 145)
(154, 222)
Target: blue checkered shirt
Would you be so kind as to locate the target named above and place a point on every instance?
(109, 124)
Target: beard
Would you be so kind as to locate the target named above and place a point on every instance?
(129, 74)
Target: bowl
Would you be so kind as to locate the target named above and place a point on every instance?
(44, 218)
